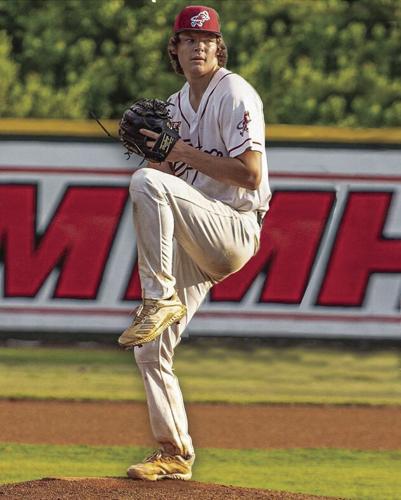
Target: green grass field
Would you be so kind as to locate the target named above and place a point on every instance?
(348, 474)
(209, 372)
(215, 371)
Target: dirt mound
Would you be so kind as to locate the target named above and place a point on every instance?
(124, 489)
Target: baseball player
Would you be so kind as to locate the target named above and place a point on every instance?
(197, 217)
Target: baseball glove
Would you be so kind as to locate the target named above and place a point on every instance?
(151, 114)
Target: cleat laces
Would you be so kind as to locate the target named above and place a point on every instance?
(142, 312)
(154, 456)
(157, 455)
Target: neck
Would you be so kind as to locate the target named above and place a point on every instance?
(198, 84)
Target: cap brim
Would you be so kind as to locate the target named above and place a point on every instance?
(202, 31)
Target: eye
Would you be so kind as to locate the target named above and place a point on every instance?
(209, 41)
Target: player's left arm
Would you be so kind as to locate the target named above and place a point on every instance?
(244, 170)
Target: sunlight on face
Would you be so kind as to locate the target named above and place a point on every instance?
(197, 53)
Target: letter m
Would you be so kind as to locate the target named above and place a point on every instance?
(289, 243)
(76, 241)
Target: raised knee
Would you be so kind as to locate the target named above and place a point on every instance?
(142, 179)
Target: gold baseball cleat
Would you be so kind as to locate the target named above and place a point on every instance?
(151, 319)
(161, 465)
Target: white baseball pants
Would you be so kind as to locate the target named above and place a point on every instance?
(186, 242)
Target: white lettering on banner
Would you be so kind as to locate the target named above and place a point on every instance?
(329, 263)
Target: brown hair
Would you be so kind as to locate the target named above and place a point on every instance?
(222, 52)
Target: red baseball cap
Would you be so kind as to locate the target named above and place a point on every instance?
(197, 18)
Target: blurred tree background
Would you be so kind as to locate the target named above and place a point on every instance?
(327, 62)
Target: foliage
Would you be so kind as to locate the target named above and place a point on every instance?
(312, 61)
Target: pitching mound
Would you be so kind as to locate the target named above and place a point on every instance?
(118, 488)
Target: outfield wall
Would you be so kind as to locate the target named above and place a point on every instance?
(329, 265)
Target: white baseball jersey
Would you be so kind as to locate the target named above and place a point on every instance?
(188, 258)
(229, 120)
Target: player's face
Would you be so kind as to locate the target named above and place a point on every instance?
(197, 53)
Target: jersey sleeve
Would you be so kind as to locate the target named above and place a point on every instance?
(241, 122)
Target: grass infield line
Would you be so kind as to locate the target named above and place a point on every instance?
(332, 472)
(208, 372)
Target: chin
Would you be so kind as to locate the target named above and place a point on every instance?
(200, 70)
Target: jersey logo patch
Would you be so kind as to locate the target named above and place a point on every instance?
(243, 124)
(198, 20)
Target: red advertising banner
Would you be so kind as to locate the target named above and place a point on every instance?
(329, 265)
